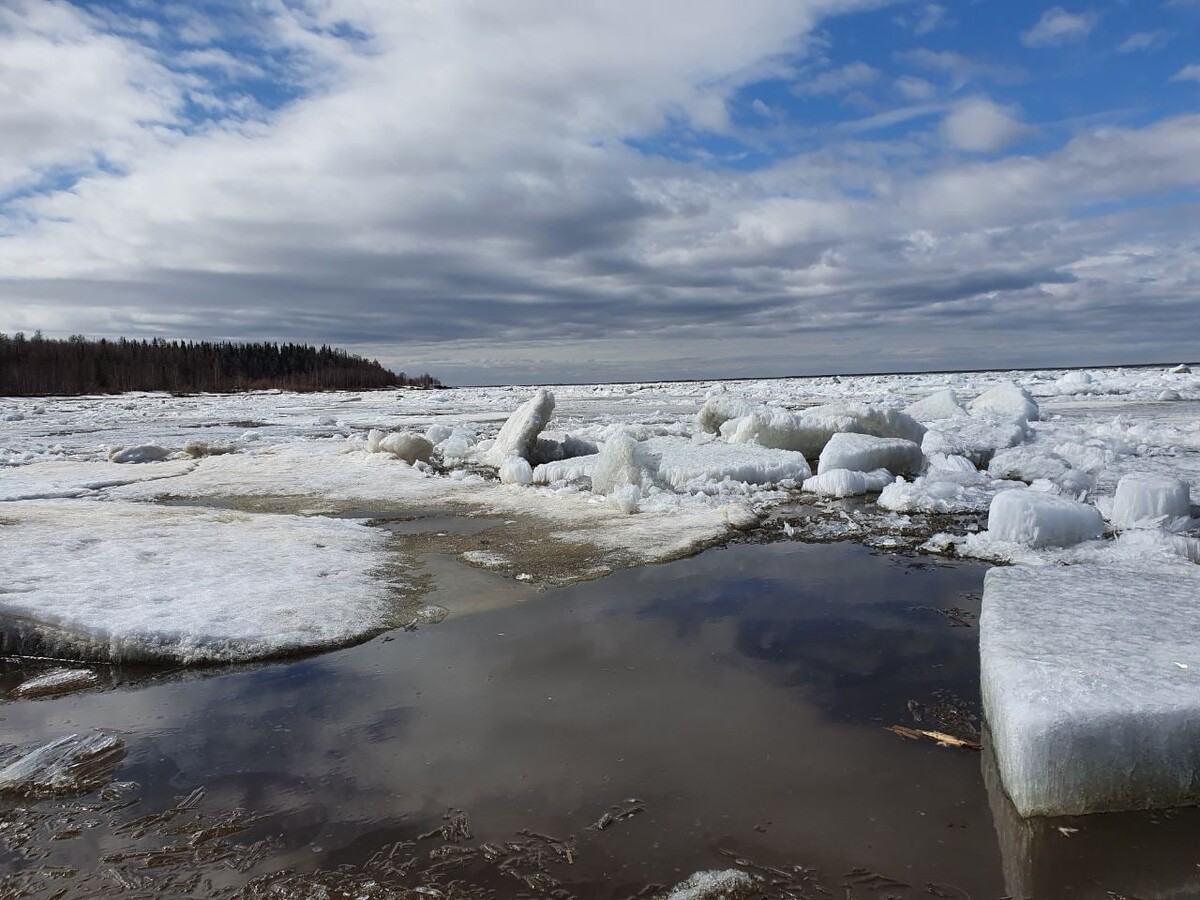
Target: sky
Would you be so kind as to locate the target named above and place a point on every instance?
(538, 190)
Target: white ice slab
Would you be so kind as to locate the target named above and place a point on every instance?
(1040, 519)
(1144, 498)
(693, 467)
(141, 583)
(1091, 686)
(865, 453)
(518, 436)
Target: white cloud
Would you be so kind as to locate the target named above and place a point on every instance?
(1143, 40)
(980, 125)
(1188, 73)
(1058, 26)
(839, 80)
(913, 88)
(931, 15)
(960, 69)
(761, 108)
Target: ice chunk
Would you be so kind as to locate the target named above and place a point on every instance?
(1146, 499)
(731, 884)
(1008, 401)
(142, 583)
(437, 433)
(942, 490)
(864, 453)
(565, 470)
(519, 434)
(1038, 519)
(143, 453)
(1169, 396)
(880, 421)
(719, 409)
(515, 470)
(840, 483)
(942, 405)
(197, 449)
(978, 438)
(950, 462)
(411, 448)
(626, 498)
(621, 462)
(56, 681)
(68, 765)
(693, 467)
(1035, 463)
(1181, 369)
(1091, 686)
(809, 431)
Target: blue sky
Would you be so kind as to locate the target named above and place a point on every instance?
(538, 191)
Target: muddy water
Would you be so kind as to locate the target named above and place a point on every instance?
(731, 707)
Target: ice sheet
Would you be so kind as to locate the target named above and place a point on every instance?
(1091, 686)
(141, 583)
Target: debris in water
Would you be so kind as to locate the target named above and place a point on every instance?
(68, 765)
(943, 739)
(618, 814)
(56, 681)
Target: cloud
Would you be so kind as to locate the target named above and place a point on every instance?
(913, 88)
(837, 81)
(960, 69)
(1144, 40)
(930, 17)
(980, 125)
(1188, 73)
(1058, 26)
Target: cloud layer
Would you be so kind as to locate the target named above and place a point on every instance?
(535, 191)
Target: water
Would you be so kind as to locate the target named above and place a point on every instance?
(733, 704)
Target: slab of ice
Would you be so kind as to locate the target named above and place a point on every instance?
(1147, 499)
(409, 447)
(719, 409)
(1181, 369)
(1030, 463)
(809, 430)
(622, 461)
(1040, 519)
(68, 765)
(49, 480)
(1091, 686)
(518, 436)
(696, 467)
(865, 453)
(143, 453)
(56, 681)
(1006, 400)
(138, 583)
(942, 405)
(565, 470)
(840, 483)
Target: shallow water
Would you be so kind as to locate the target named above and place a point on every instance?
(736, 701)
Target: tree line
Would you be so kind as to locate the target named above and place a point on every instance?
(42, 366)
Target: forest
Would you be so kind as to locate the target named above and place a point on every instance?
(36, 366)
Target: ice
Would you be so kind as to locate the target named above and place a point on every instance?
(942, 490)
(1032, 463)
(865, 453)
(565, 470)
(1146, 499)
(809, 430)
(143, 453)
(515, 470)
(1169, 396)
(1006, 400)
(978, 438)
(131, 582)
(702, 467)
(1039, 519)
(518, 436)
(411, 448)
(56, 681)
(626, 498)
(622, 462)
(731, 884)
(841, 483)
(68, 765)
(1091, 686)
(1181, 369)
(58, 479)
(719, 409)
(197, 449)
(942, 405)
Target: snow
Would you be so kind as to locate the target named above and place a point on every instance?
(864, 453)
(1008, 401)
(139, 583)
(1039, 519)
(56, 681)
(1148, 499)
(1091, 686)
(518, 436)
(67, 765)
